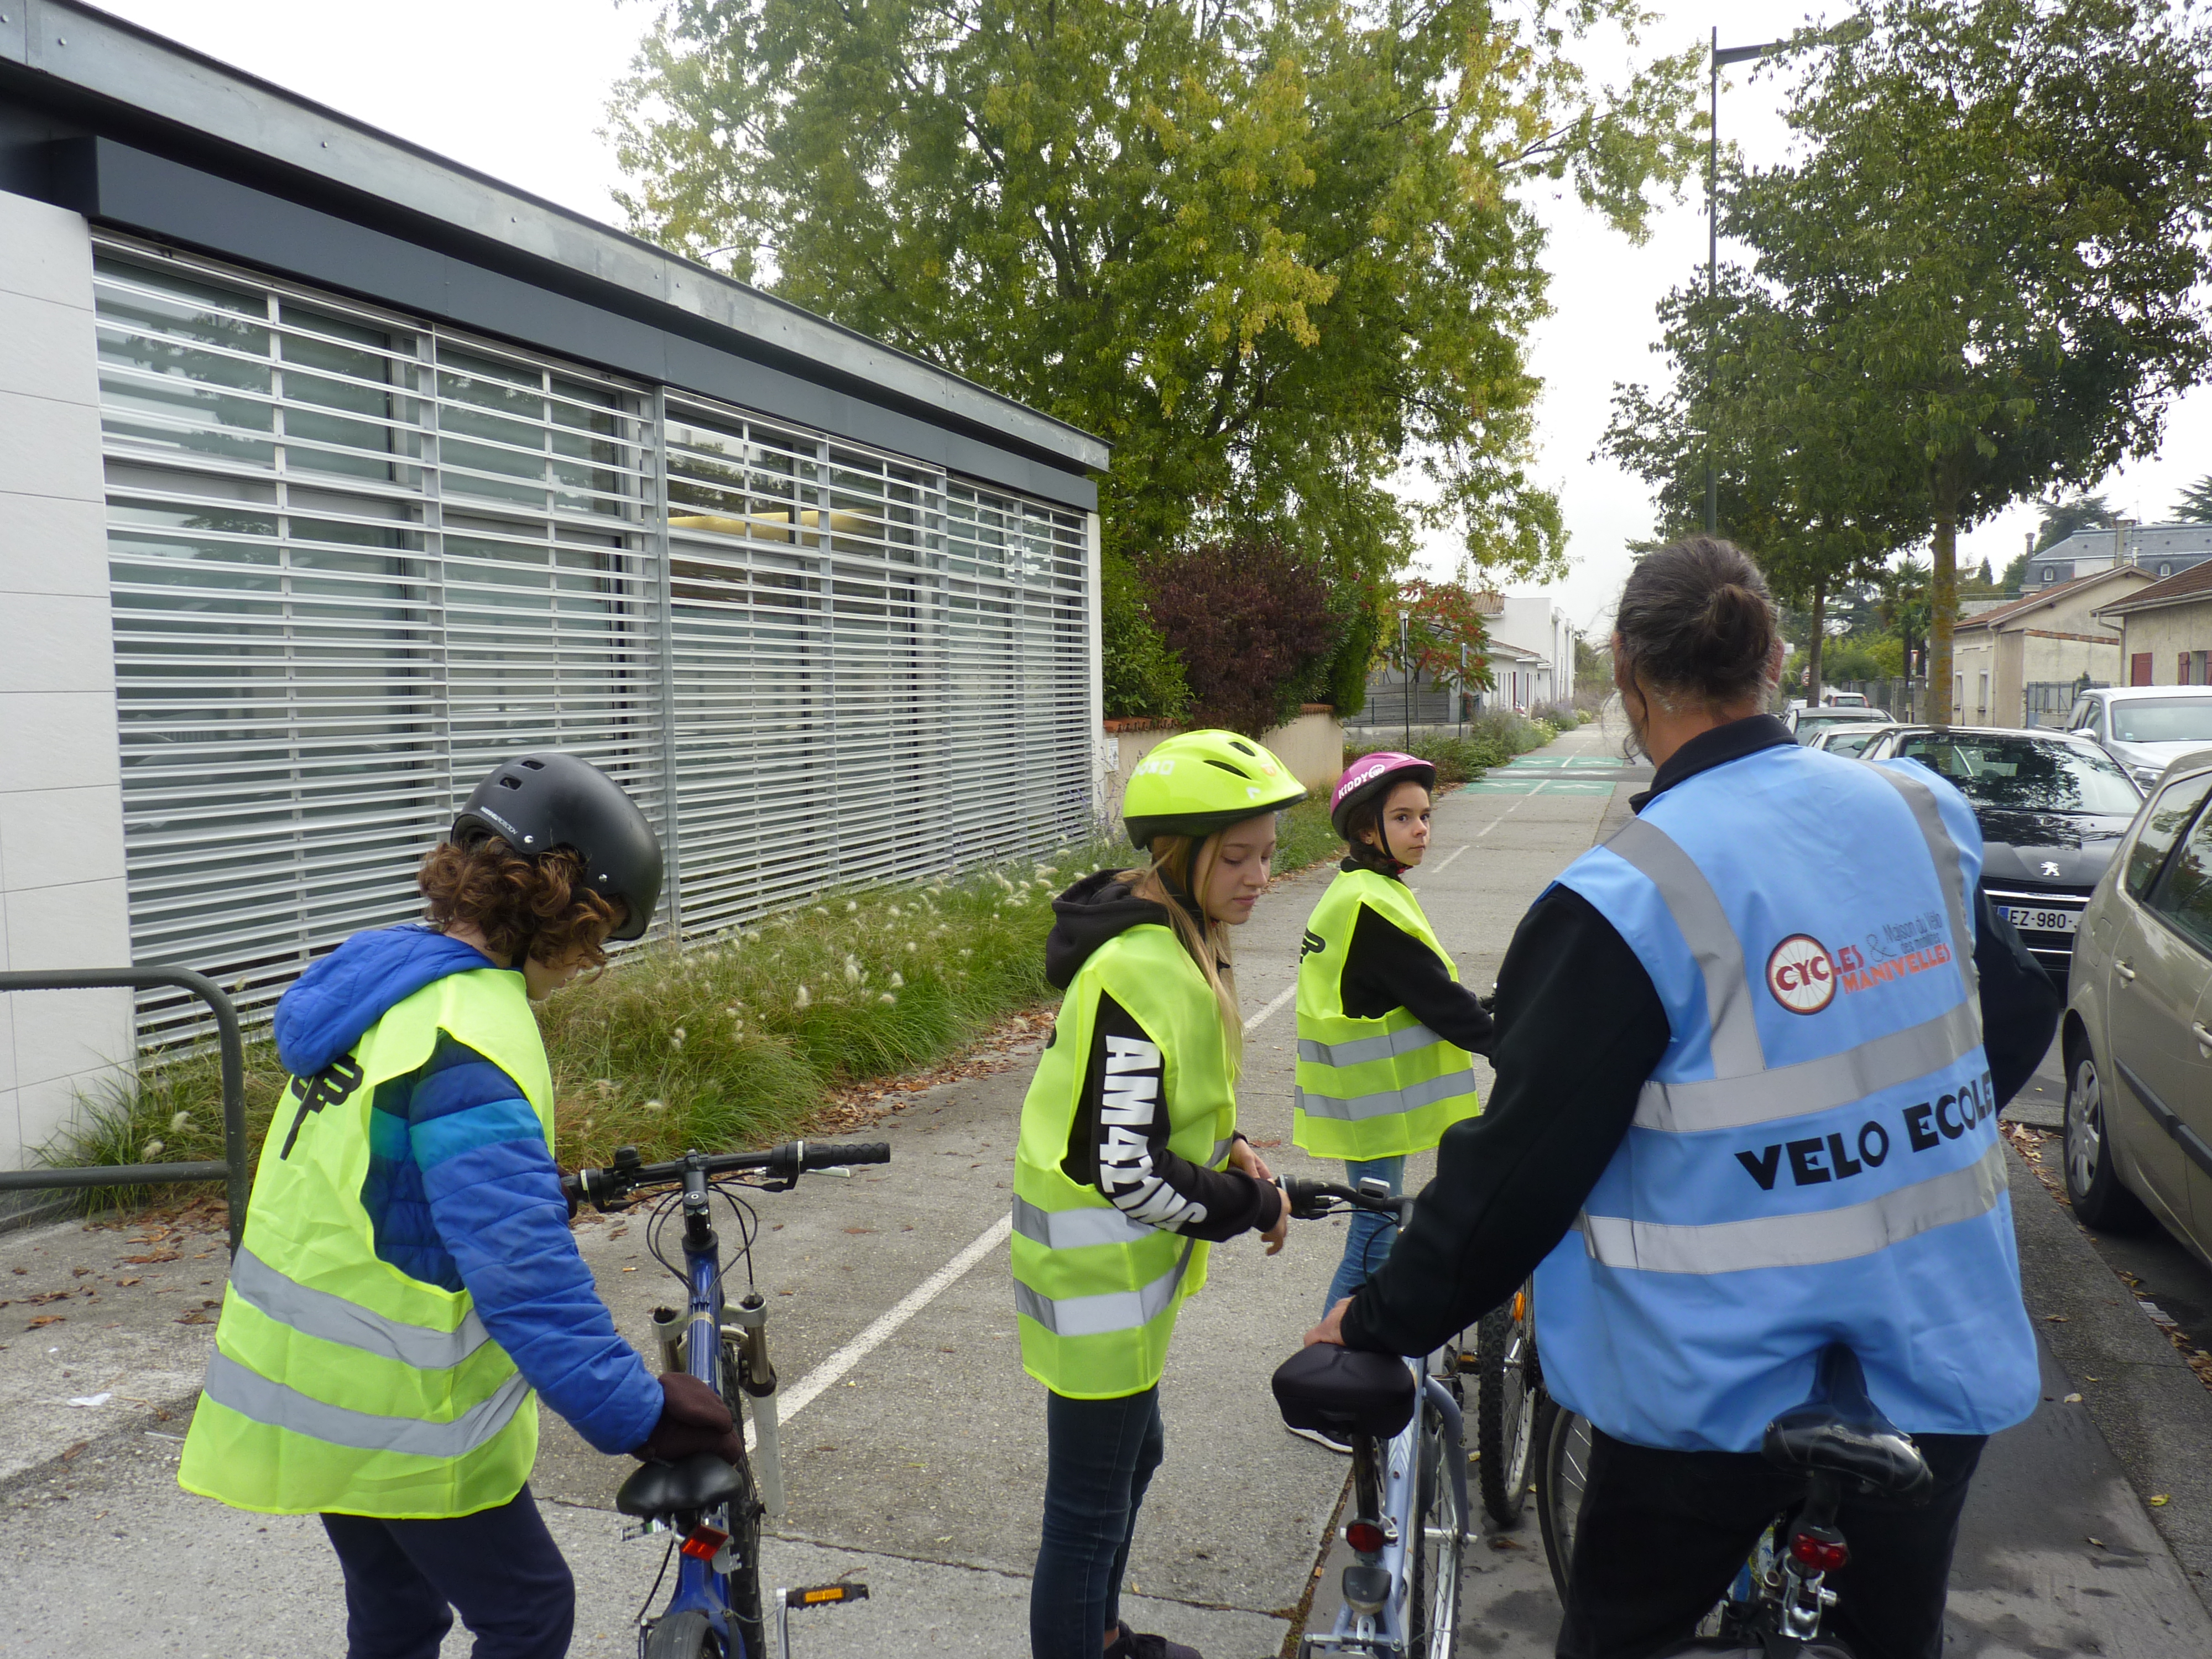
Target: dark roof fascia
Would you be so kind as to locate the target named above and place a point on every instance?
(207, 114)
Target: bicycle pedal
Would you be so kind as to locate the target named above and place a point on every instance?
(825, 1596)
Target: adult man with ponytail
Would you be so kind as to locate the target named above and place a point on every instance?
(1671, 1012)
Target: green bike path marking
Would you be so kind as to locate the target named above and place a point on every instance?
(1528, 784)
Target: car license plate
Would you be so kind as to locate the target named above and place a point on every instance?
(2043, 921)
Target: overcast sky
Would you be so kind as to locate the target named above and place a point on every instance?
(517, 88)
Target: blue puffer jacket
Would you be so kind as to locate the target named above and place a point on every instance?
(462, 1190)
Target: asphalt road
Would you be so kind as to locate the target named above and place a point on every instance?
(912, 1442)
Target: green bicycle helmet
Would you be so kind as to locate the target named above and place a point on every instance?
(1197, 782)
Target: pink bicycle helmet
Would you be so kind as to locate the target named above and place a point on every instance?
(1371, 777)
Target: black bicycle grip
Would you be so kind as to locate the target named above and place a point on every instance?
(829, 1157)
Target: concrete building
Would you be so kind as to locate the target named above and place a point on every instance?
(2165, 630)
(2017, 665)
(330, 472)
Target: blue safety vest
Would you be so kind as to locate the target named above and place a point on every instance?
(1816, 1157)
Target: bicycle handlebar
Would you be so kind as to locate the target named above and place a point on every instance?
(783, 1163)
(1313, 1200)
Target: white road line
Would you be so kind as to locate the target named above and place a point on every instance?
(1281, 997)
(796, 1399)
(1446, 864)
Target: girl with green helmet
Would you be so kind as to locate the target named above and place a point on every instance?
(1384, 1025)
(1129, 1166)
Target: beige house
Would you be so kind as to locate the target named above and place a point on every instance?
(2165, 630)
(2017, 665)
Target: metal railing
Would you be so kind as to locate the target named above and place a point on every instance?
(232, 1170)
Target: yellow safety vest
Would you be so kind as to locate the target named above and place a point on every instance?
(1369, 1088)
(338, 1383)
(1095, 1292)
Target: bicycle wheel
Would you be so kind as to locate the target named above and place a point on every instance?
(1564, 1440)
(744, 1526)
(684, 1635)
(1437, 1538)
(1504, 1423)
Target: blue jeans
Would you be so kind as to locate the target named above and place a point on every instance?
(1100, 1456)
(1367, 1243)
(500, 1567)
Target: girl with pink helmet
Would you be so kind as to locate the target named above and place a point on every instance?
(1384, 1025)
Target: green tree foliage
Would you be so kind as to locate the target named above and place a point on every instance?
(1277, 253)
(2194, 506)
(1754, 395)
(2061, 518)
(1144, 678)
(1996, 234)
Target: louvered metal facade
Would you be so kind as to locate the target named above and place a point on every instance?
(357, 557)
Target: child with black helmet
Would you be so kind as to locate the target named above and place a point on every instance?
(407, 1285)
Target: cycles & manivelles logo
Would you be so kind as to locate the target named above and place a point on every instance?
(1800, 975)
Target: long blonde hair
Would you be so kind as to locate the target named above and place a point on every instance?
(1182, 864)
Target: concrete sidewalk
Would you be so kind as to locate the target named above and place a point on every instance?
(920, 1467)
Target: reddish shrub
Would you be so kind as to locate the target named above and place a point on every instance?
(1250, 619)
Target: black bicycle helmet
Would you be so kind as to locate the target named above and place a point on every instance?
(537, 802)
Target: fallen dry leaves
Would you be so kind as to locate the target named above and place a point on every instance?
(1012, 1042)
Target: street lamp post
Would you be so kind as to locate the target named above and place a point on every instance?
(1722, 55)
(1406, 674)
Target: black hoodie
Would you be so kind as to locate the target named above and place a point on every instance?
(1146, 1180)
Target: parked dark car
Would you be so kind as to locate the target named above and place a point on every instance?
(2052, 810)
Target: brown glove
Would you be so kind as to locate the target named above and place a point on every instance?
(693, 1419)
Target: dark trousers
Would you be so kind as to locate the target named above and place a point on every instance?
(1662, 1532)
(499, 1568)
(1100, 1456)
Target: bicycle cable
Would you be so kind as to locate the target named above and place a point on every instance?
(666, 1556)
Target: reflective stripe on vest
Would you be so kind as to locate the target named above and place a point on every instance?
(1384, 1102)
(1097, 1290)
(1369, 1088)
(340, 1382)
(1105, 1312)
(1803, 1240)
(334, 1319)
(252, 1395)
(1814, 1158)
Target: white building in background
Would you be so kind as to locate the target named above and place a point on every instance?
(1532, 651)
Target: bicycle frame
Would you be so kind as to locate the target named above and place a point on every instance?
(1385, 1482)
(700, 1587)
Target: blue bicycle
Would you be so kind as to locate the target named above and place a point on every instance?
(711, 1509)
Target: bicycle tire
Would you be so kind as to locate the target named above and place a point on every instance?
(1437, 1548)
(743, 1525)
(684, 1636)
(1562, 1464)
(1504, 1418)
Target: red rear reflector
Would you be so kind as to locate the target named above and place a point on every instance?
(703, 1541)
(1821, 1554)
(1365, 1537)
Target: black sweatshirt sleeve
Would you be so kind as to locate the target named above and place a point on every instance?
(2019, 1005)
(1118, 1144)
(1385, 967)
(1580, 1027)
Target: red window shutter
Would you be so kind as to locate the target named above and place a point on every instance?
(2139, 669)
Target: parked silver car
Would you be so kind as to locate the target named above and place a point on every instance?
(2144, 727)
(2137, 1037)
(1848, 740)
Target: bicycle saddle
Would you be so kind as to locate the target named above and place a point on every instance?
(1344, 1392)
(699, 1482)
(1841, 1430)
